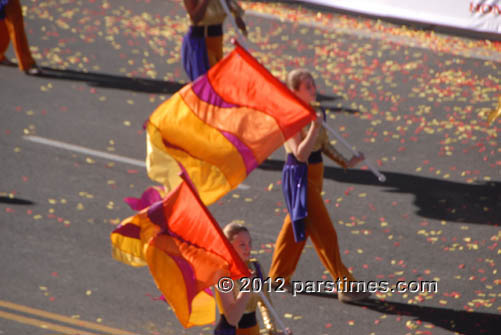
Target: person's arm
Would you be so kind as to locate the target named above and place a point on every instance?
(241, 24)
(301, 148)
(238, 12)
(234, 308)
(196, 9)
(356, 159)
(235, 8)
(331, 152)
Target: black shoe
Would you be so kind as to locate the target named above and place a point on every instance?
(7, 62)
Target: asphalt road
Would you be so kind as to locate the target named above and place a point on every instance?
(414, 101)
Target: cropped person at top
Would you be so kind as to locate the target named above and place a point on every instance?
(12, 30)
(203, 44)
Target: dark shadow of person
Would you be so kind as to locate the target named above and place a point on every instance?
(112, 81)
(460, 322)
(327, 103)
(434, 198)
(323, 98)
(15, 201)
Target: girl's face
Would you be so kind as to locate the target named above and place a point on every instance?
(307, 90)
(242, 244)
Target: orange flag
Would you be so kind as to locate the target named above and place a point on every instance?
(185, 250)
(220, 127)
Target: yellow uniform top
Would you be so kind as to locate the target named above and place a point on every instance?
(251, 304)
(322, 143)
(254, 302)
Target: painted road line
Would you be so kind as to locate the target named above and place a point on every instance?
(95, 153)
(84, 150)
(55, 317)
(43, 324)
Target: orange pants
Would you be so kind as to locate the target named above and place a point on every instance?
(214, 49)
(12, 28)
(318, 226)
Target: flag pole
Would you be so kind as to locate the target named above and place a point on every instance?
(381, 177)
(273, 312)
(234, 23)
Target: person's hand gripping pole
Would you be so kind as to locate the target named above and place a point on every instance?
(378, 174)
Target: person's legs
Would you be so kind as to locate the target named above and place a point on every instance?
(4, 40)
(214, 49)
(324, 237)
(15, 25)
(286, 254)
(320, 228)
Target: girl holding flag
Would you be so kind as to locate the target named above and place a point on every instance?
(302, 179)
(238, 311)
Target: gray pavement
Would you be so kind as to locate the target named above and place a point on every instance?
(415, 102)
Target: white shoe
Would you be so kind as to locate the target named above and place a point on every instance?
(348, 297)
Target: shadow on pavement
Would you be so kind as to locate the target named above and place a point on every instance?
(328, 103)
(322, 98)
(112, 81)
(151, 85)
(434, 198)
(336, 109)
(15, 201)
(460, 322)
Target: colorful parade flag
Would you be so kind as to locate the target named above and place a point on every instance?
(185, 250)
(151, 195)
(220, 127)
